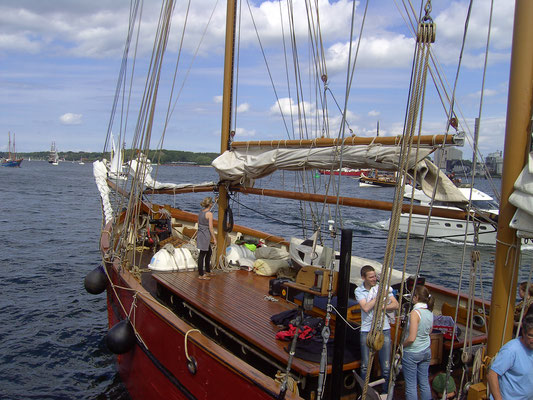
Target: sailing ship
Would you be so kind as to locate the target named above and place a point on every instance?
(53, 157)
(180, 337)
(11, 160)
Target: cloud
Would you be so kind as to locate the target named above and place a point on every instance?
(244, 134)
(375, 52)
(71, 119)
(373, 113)
(243, 107)
(217, 99)
(486, 93)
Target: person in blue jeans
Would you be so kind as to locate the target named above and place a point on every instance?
(366, 295)
(416, 347)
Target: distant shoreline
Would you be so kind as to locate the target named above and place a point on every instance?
(165, 157)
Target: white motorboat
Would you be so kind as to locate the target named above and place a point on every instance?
(449, 228)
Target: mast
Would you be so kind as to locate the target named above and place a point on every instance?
(517, 133)
(227, 100)
(9, 145)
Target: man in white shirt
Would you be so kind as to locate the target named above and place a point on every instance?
(367, 298)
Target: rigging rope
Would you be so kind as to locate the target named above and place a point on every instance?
(425, 36)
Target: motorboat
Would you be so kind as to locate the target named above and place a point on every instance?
(450, 228)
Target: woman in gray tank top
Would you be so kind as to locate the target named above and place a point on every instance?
(203, 237)
(416, 347)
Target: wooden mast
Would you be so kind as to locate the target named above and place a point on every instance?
(227, 101)
(517, 133)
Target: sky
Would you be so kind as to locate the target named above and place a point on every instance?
(60, 62)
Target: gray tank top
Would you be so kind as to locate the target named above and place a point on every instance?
(203, 238)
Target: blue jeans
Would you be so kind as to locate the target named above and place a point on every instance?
(415, 366)
(384, 357)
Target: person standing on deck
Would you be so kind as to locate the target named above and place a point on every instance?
(525, 301)
(203, 238)
(367, 301)
(511, 373)
(417, 346)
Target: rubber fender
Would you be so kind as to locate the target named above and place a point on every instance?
(121, 338)
(96, 281)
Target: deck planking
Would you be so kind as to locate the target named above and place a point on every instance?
(236, 300)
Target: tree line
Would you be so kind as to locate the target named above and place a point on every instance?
(156, 156)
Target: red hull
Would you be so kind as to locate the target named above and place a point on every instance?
(160, 371)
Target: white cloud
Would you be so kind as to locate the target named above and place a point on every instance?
(374, 52)
(244, 134)
(217, 99)
(287, 107)
(243, 107)
(71, 119)
(373, 113)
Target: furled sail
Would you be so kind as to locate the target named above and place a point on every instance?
(242, 166)
(522, 199)
(145, 170)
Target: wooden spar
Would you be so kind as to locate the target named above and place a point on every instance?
(227, 101)
(428, 140)
(351, 202)
(191, 189)
(320, 198)
(517, 132)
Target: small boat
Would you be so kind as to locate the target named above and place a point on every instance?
(480, 229)
(377, 179)
(53, 157)
(11, 160)
(354, 172)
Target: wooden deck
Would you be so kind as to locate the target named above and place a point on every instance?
(236, 300)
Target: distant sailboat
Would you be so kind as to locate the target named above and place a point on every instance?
(81, 161)
(11, 160)
(53, 158)
(116, 170)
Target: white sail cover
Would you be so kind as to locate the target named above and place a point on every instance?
(242, 166)
(100, 176)
(522, 199)
(145, 171)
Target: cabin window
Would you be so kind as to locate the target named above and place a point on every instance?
(483, 228)
(447, 224)
(459, 225)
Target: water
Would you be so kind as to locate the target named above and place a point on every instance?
(52, 331)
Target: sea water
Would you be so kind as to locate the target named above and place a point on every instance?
(52, 331)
